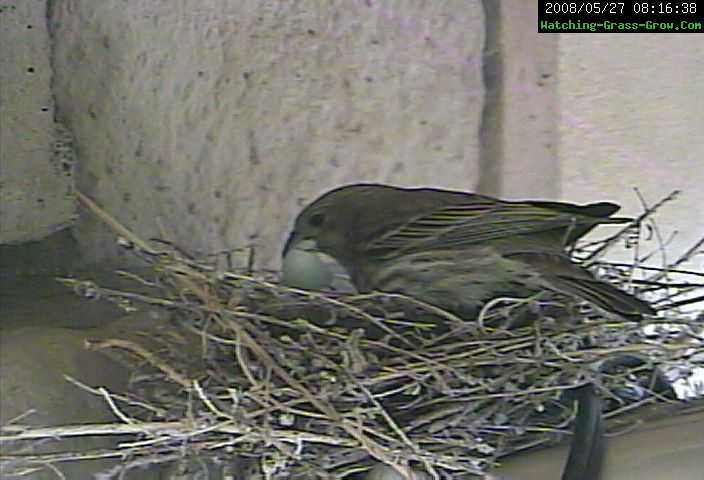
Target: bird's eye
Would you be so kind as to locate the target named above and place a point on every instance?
(317, 219)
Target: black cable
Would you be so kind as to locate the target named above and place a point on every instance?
(586, 456)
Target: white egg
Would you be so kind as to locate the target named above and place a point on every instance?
(303, 268)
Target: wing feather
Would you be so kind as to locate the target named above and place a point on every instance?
(457, 226)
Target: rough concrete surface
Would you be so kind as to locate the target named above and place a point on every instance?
(33, 391)
(632, 115)
(220, 118)
(40, 344)
(668, 449)
(36, 196)
(521, 123)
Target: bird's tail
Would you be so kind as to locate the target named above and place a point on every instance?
(607, 297)
(561, 274)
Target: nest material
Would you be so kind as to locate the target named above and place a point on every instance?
(315, 385)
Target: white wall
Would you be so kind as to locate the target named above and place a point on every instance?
(36, 196)
(632, 115)
(221, 118)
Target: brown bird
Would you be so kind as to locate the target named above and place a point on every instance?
(457, 250)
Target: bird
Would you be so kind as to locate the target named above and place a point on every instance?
(458, 250)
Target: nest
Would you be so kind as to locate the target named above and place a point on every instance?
(293, 384)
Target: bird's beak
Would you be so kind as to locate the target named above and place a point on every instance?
(296, 242)
(291, 242)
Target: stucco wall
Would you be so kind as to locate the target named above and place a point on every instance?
(632, 115)
(36, 196)
(221, 118)
(218, 119)
(520, 128)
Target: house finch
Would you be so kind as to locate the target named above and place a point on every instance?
(458, 250)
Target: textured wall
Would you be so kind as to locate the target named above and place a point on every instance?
(632, 115)
(35, 176)
(519, 131)
(219, 118)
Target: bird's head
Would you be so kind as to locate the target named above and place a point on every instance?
(327, 224)
(346, 221)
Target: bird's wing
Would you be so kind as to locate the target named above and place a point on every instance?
(460, 225)
(564, 276)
